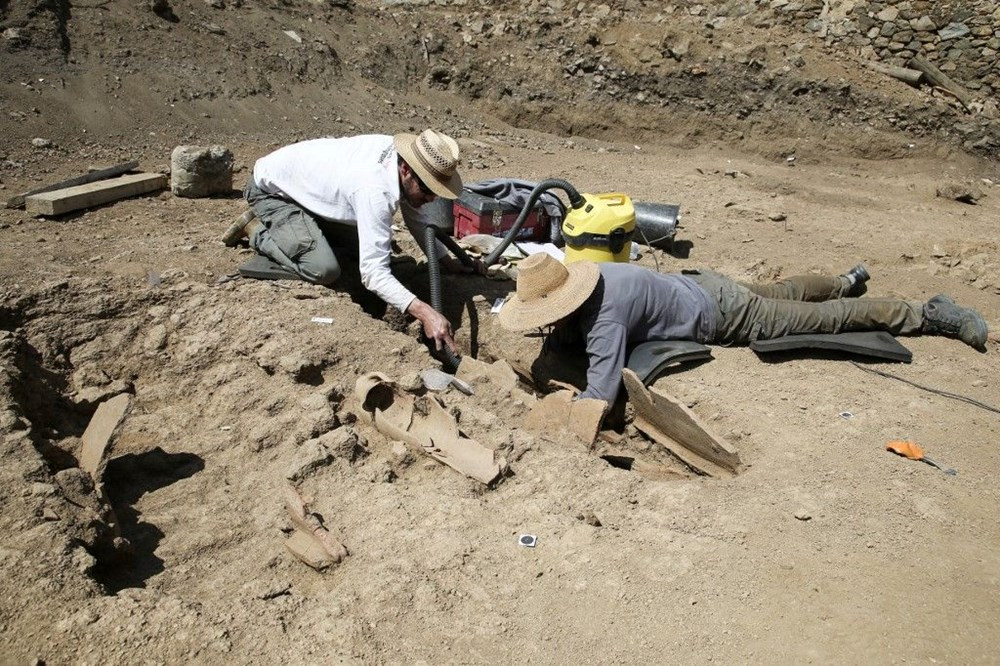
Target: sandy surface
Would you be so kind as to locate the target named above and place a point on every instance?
(826, 548)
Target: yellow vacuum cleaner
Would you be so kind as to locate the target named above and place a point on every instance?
(601, 229)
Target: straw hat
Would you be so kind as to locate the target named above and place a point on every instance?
(547, 291)
(434, 157)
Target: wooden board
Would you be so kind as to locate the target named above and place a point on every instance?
(69, 199)
(93, 176)
(940, 79)
(667, 421)
(910, 76)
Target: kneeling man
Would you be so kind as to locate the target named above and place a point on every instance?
(349, 188)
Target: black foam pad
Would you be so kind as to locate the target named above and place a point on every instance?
(649, 359)
(865, 343)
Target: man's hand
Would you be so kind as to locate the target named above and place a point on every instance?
(436, 326)
(454, 265)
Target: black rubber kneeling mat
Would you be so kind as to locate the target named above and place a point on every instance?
(649, 359)
(262, 268)
(865, 343)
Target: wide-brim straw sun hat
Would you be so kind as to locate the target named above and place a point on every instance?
(547, 291)
(434, 157)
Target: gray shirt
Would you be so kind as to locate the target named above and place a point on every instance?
(630, 305)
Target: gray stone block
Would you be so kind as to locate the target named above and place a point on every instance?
(198, 171)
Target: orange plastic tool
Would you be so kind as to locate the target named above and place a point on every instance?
(913, 451)
(904, 448)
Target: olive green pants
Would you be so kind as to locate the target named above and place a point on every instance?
(801, 304)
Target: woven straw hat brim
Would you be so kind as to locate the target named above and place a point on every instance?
(406, 145)
(516, 315)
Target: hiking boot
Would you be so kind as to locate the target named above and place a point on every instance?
(943, 317)
(241, 228)
(857, 276)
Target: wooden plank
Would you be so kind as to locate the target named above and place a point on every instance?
(97, 437)
(940, 79)
(91, 177)
(910, 76)
(659, 411)
(69, 199)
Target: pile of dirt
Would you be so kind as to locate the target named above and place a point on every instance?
(637, 70)
(786, 156)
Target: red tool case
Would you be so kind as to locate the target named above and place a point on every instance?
(477, 214)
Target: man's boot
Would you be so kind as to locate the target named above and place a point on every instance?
(942, 316)
(244, 225)
(857, 276)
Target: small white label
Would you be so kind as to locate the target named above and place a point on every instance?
(322, 320)
(497, 304)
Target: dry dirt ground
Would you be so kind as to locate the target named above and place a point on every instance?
(825, 549)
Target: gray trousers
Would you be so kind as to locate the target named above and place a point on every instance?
(802, 304)
(296, 239)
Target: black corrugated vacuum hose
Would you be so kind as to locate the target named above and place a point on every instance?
(576, 200)
(433, 233)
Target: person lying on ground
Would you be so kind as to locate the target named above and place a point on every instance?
(348, 189)
(612, 306)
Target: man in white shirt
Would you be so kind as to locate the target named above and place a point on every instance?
(299, 191)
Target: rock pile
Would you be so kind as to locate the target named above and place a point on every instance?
(961, 38)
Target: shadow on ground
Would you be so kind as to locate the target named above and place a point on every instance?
(127, 480)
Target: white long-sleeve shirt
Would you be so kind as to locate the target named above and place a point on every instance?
(350, 180)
